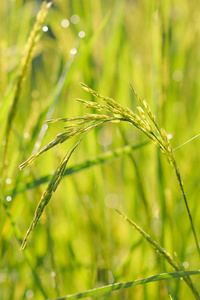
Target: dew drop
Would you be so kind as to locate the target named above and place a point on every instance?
(155, 15)
(26, 135)
(81, 34)
(75, 19)
(37, 144)
(104, 137)
(170, 136)
(175, 13)
(29, 294)
(53, 274)
(8, 180)
(73, 51)
(65, 23)
(45, 28)
(111, 200)
(185, 264)
(177, 75)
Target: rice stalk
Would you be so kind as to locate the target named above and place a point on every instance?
(145, 122)
(23, 69)
(162, 252)
(51, 188)
(77, 126)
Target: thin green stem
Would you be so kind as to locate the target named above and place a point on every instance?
(25, 63)
(187, 207)
(161, 251)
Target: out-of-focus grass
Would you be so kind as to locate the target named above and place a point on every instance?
(80, 242)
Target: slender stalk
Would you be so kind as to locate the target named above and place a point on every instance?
(165, 146)
(187, 207)
(161, 251)
(25, 63)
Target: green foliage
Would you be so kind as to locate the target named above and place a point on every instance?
(80, 243)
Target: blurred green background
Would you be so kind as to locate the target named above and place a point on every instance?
(81, 242)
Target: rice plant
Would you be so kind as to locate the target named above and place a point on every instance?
(116, 157)
(146, 122)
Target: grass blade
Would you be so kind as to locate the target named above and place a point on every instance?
(123, 285)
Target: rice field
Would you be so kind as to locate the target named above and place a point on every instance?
(99, 198)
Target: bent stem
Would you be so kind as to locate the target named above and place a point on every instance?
(163, 142)
(145, 121)
(162, 252)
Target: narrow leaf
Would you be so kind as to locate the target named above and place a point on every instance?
(51, 188)
(123, 285)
